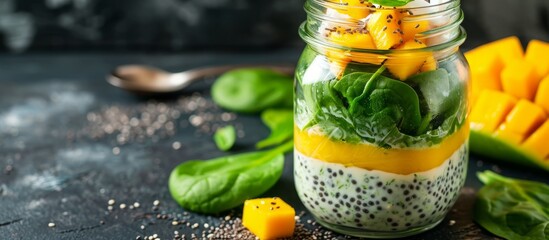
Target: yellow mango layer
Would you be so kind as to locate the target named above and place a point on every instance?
(370, 157)
(525, 118)
(537, 53)
(404, 65)
(490, 110)
(520, 79)
(509, 49)
(508, 135)
(384, 29)
(352, 38)
(542, 96)
(538, 142)
(269, 218)
(429, 65)
(354, 8)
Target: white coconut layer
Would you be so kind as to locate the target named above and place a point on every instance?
(377, 200)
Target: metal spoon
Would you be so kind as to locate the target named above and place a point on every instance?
(152, 80)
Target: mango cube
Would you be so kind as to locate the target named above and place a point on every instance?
(536, 53)
(542, 96)
(404, 65)
(490, 110)
(384, 28)
(520, 79)
(485, 75)
(525, 117)
(411, 28)
(269, 218)
(509, 49)
(507, 134)
(538, 142)
(356, 9)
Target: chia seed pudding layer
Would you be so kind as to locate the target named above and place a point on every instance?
(378, 200)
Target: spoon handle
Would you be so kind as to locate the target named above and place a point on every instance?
(199, 73)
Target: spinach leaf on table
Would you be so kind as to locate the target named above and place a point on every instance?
(225, 137)
(216, 185)
(281, 124)
(513, 208)
(252, 90)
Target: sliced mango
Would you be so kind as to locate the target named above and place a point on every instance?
(490, 110)
(514, 107)
(509, 49)
(525, 118)
(485, 76)
(352, 38)
(410, 28)
(538, 142)
(398, 161)
(404, 65)
(507, 134)
(269, 218)
(357, 9)
(384, 29)
(542, 96)
(429, 65)
(519, 78)
(537, 53)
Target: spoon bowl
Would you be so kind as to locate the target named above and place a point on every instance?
(142, 78)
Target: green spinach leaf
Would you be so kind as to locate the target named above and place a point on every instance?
(281, 124)
(252, 90)
(390, 3)
(512, 208)
(223, 183)
(225, 137)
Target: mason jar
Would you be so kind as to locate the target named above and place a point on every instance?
(381, 115)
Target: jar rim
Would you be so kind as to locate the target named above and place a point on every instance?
(334, 4)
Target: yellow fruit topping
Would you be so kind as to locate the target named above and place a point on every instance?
(490, 110)
(411, 28)
(357, 9)
(370, 157)
(404, 65)
(384, 29)
(269, 218)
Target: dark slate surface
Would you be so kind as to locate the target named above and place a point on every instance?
(52, 170)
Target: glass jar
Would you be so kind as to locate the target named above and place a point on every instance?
(381, 105)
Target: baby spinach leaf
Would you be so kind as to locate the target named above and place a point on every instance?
(281, 124)
(390, 3)
(216, 185)
(513, 208)
(252, 90)
(225, 137)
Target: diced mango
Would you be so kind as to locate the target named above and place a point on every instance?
(404, 65)
(537, 53)
(269, 218)
(429, 65)
(538, 142)
(352, 38)
(509, 49)
(520, 79)
(384, 29)
(507, 134)
(410, 28)
(490, 110)
(542, 96)
(486, 75)
(357, 9)
(525, 117)
(338, 62)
